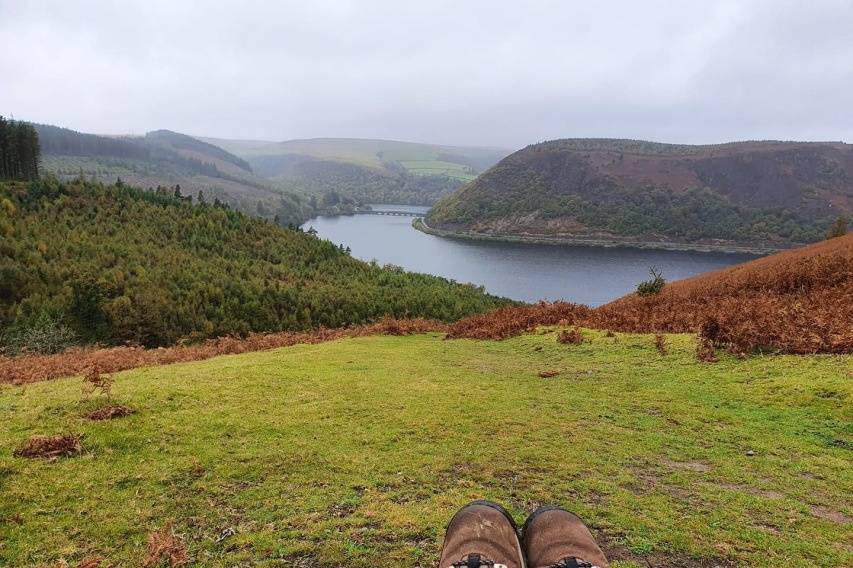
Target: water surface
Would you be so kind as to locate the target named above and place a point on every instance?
(528, 272)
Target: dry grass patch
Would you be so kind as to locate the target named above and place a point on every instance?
(110, 412)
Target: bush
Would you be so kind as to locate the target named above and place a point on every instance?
(44, 334)
(838, 229)
(653, 285)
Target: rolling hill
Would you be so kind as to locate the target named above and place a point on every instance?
(168, 159)
(370, 171)
(765, 195)
(116, 264)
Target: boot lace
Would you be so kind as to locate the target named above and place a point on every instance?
(570, 562)
(475, 561)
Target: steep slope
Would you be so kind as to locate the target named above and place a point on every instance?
(116, 264)
(764, 194)
(365, 169)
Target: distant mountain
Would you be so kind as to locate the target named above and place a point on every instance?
(364, 169)
(166, 158)
(754, 194)
(193, 147)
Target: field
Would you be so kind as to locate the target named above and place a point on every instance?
(356, 452)
(420, 159)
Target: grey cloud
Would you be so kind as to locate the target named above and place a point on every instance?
(473, 72)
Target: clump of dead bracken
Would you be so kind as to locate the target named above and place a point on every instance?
(50, 447)
(96, 382)
(572, 336)
(548, 374)
(164, 546)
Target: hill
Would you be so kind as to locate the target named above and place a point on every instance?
(165, 159)
(370, 171)
(357, 452)
(765, 195)
(115, 264)
(796, 301)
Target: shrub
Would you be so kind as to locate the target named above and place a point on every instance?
(653, 285)
(838, 228)
(43, 334)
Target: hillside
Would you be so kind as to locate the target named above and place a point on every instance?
(357, 452)
(370, 171)
(796, 301)
(763, 195)
(165, 158)
(114, 264)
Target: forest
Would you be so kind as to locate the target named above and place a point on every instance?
(19, 150)
(84, 262)
(394, 184)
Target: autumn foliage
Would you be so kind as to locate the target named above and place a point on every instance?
(798, 301)
(510, 321)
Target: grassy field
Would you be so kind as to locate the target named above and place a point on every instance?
(416, 158)
(357, 452)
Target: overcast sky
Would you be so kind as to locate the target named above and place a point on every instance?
(490, 72)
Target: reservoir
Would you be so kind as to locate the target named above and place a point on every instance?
(527, 272)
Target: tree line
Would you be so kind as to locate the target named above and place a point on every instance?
(19, 150)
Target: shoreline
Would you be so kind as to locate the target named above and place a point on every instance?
(419, 224)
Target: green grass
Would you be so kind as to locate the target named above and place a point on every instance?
(357, 453)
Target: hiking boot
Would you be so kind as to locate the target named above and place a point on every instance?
(556, 538)
(481, 534)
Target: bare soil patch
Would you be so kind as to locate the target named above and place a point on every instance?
(110, 412)
(831, 515)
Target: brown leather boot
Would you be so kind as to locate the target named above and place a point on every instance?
(481, 534)
(556, 538)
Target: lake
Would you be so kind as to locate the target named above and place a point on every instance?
(528, 272)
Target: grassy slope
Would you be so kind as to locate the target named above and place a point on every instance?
(357, 452)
